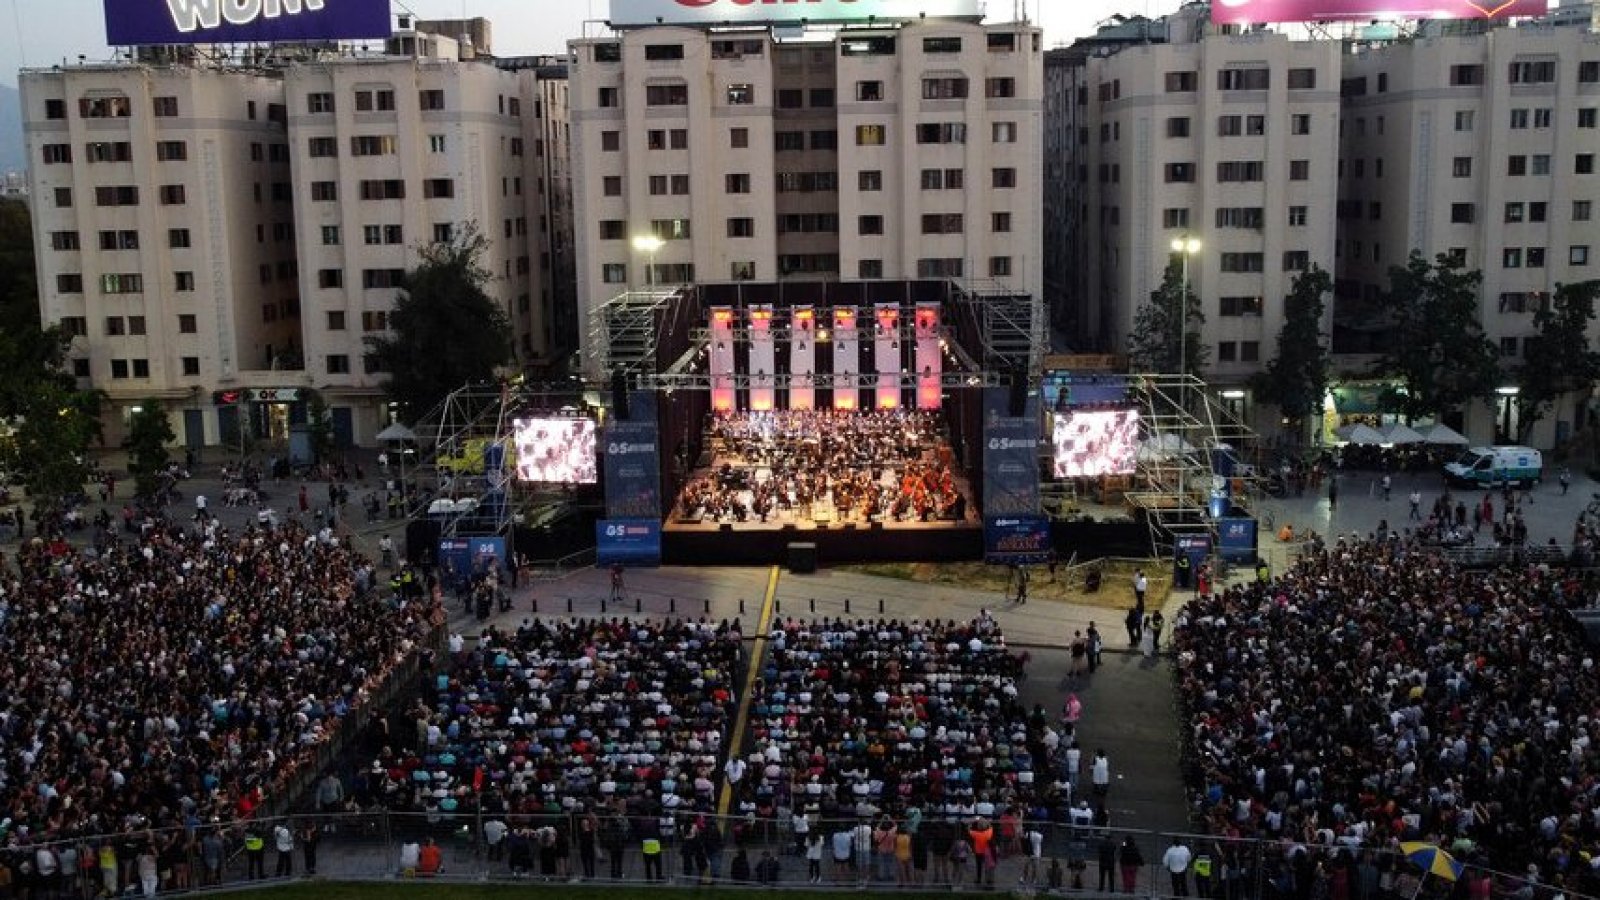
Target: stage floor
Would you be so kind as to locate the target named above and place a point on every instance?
(801, 525)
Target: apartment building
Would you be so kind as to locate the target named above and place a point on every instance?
(1229, 139)
(868, 152)
(1480, 144)
(224, 239)
(163, 218)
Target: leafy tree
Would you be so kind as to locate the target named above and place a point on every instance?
(149, 433)
(1560, 360)
(319, 425)
(1437, 348)
(49, 422)
(1297, 378)
(1153, 345)
(447, 331)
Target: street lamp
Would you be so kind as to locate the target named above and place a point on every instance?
(649, 243)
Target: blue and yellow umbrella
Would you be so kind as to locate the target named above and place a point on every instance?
(1432, 860)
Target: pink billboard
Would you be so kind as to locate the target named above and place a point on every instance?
(1245, 12)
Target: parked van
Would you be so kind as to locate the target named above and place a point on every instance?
(1492, 466)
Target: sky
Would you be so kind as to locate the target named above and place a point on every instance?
(37, 33)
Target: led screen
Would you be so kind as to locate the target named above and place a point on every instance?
(1245, 12)
(556, 451)
(1090, 443)
(243, 21)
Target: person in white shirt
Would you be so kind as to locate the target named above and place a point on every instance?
(1176, 859)
(1033, 851)
(1100, 774)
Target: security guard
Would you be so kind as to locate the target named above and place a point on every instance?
(651, 849)
(255, 850)
(1202, 875)
(1183, 570)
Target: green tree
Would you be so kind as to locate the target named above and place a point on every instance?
(1559, 360)
(1153, 344)
(447, 332)
(1437, 347)
(149, 433)
(48, 422)
(1297, 378)
(319, 426)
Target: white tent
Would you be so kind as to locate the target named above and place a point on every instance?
(1360, 434)
(1400, 433)
(1440, 433)
(397, 432)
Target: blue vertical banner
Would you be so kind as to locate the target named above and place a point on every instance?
(1010, 467)
(1236, 539)
(633, 470)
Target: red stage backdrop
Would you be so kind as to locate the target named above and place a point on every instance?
(1244, 12)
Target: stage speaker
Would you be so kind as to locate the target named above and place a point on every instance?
(789, 527)
(877, 526)
(1019, 394)
(802, 558)
(619, 395)
(727, 527)
(849, 526)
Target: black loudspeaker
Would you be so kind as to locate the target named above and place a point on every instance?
(726, 527)
(1019, 395)
(619, 395)
(802, 558)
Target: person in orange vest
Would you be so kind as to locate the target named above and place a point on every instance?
(430, 861)
(981, 834)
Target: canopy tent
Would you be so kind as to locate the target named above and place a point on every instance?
(397, 432)
(1400, 433)
(1440, 433)
(1360, 434)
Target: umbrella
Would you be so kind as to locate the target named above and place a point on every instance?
(397, 432)
(1441, 433)
(1360, 434)
(1400, 433)
(1431, 860)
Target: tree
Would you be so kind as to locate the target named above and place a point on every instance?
(319, 426)
(447, 332)
(1437, 349)
(149, 433)
(1297, 378)
(1154, 341)
(50, 422)
(1559, 360)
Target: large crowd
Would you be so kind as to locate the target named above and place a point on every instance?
(181, 677)
(885, 465)
(1374, 693)
(563, 717)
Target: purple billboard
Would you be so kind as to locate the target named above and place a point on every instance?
(1245, 12)
(243, 21)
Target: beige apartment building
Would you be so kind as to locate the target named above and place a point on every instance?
(164, 227)
(1482, 145)
(861, 153)
(1227, 140)
(224, 239)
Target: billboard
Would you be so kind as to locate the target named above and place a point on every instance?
(1246, 12)
(628, 542)
(243, 21)
(1237, 539)
(633, 470)
(717, 12)
(1011, 467)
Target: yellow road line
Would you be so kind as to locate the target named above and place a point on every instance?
(758, 652)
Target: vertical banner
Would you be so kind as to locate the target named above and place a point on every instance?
(633, 470)
(1236, 539)
(763, 359)
(846, 359)
(930, 358)
(1010, 467)
(723, 392)
(802, 358)
(886, 355)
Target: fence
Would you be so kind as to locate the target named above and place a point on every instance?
(449, 847)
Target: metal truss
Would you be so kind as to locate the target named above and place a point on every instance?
(1185, 425)
(1011, 325)
(626, 330)
(703, 381)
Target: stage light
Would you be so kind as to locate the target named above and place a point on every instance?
(822, 335)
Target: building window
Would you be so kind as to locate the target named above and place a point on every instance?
(122, 283)
(1539, 72)
(869, 268)
(670, 229)
(614, 273)
(1462, 213)
(171, 151)
(1300, 170)
(1297, 216)
(1180, 173)
(69, 283)
(55, 109)
(821, 98)
(126, 239)
(438, 188)
(739, 138)
(324, 191)
(954, 88)
(1227, 351)
(869, 225)
(64, 240)
(119, 368)
(1233, 307)
(1461, 167)
(430, 99)
(1578, 255)
(1300, 123)
(1181, 82)
(1586, 117)
(942, 223)
(1296, 260)
(443, 232)
(1243, 262)
(868, 91)
(999, 267)
(330, 235)
(869, 180)
(1240, 217)
(742, 94)
(330, 278)
(321, 147)
(1302, 79)
(613, 230)
(610, 141)
(172, 195)
(663, 52)
(183, 281)
(1583, 164)
(1000, 222)
(374, 320)
(115, 326)
(338, 364)
(1003, 132)
(1581, 210)
(1244, 79)
(1178, 127)
(63, 197)
(741, 228)
(372, 145)
(187, 324)
(738, 183)
(104, 108)
(870, 135)
(321, 102)
(335, 320)
(941, 45)
(1175, 217)
(1464, 119)
(1511, 258)
(1002, 178)
(942, 133)
(191, 366)
(666, 95)
(611, 185)
(1248, 170)
(1515, 212)
(742, 270)
(1466, 75)
(383, 189)
(1000, 88)
(57, 154)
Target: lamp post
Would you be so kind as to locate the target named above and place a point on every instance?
(1185, 247)
(650, 244)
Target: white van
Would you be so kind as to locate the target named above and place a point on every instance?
(1492, 466)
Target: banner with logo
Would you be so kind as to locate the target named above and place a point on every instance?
(1010, 467)
(718, 12)
(131, 22)
(633, 470)
(1236, 539)
(462, 558)
(628, 542)
(1246, 12)
(1016, 540)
